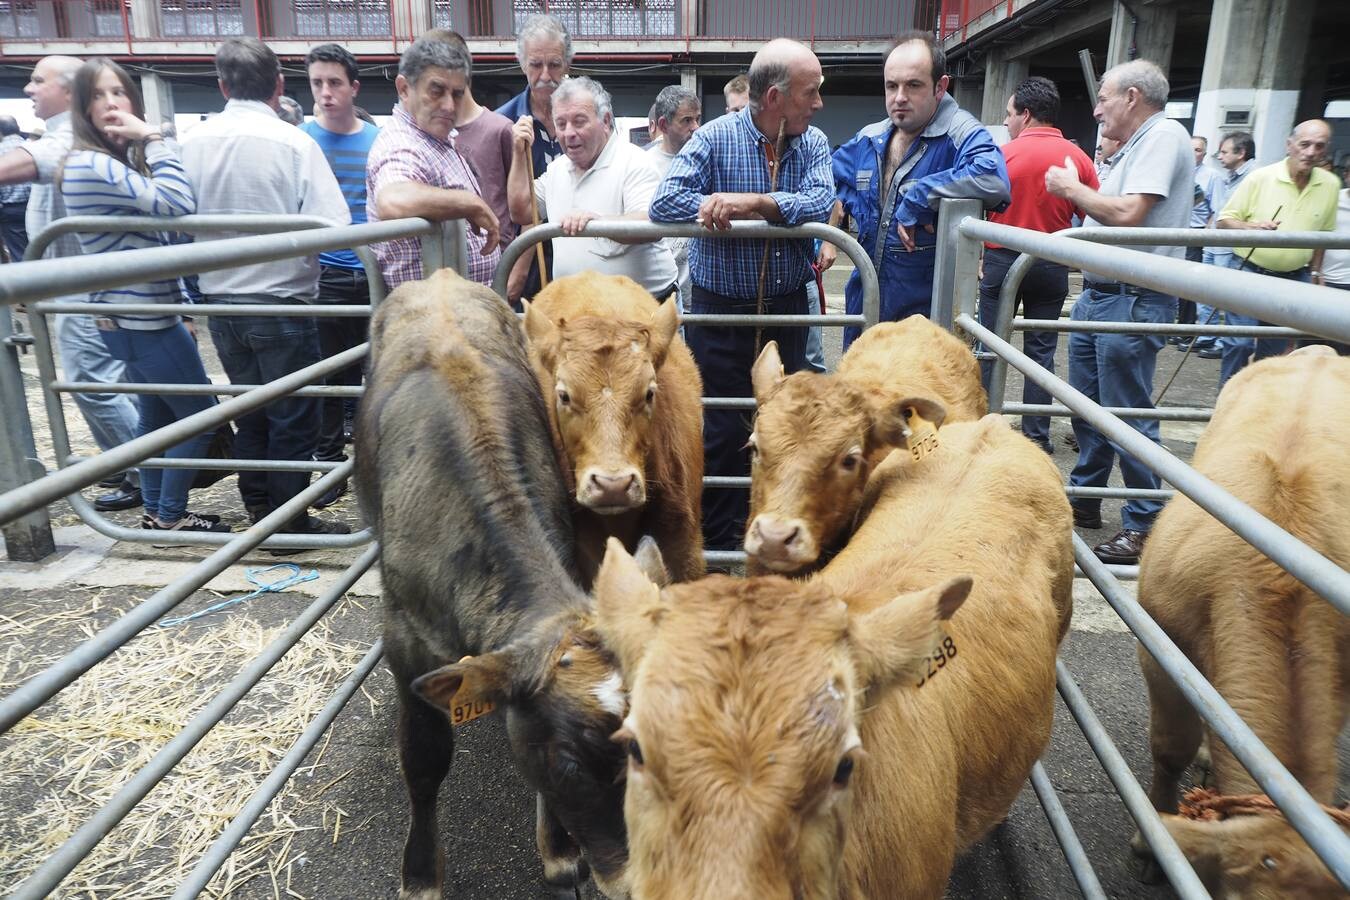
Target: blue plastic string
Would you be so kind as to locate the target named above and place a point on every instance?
(255, 577)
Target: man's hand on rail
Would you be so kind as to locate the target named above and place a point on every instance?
(573, 223)
(720, 210)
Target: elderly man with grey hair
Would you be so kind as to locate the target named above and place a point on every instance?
(414, 170)
(1149, 183)
(600, 175)
(544, 51)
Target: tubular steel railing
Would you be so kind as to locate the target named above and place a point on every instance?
(1300, 309)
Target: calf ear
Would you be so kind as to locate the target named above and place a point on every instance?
(662, 329)
(650, 561)
(474, 685)
(767, 371)
(893, 642)
(540, 332)
(895, 423)
(627, 605)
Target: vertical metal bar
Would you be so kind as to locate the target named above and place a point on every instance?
(433, 252)
(1002, 326)
(56, 414)
(954, 253)
(1169, 856)
(257, 804)
(1074, 854)
(28, 538)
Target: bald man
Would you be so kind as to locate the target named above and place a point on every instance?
(112, 418)
(1293, 194)
(722, 175)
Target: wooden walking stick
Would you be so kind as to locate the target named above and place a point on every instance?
(534, 214)
(773, 155)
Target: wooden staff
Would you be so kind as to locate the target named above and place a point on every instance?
(764, 260)
(534, 213)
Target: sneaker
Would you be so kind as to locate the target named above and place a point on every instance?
(126, 497)
(190, 522)
(1086, 516)
(146, 518)
(332, 495)
(1123, 549)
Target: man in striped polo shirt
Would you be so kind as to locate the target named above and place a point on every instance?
(345, 141)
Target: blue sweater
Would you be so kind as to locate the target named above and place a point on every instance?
(95, 184)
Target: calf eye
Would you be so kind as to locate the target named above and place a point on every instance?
(1268, 862)
(843, 772)
(635, 752)
(851, 461)
(564, 398)
(651, 395)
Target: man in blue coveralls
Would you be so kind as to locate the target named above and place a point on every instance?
(892, 174)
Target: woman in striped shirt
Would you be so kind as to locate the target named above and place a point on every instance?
(119, 165)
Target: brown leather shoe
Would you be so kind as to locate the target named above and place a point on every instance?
(1123, 549)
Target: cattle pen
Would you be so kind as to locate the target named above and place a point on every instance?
(28, 493)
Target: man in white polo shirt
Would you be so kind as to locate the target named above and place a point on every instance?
(600, 175)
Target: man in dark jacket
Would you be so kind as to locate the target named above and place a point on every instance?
(892, 174)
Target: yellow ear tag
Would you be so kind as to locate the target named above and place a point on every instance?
(464, 710)
(923, 439)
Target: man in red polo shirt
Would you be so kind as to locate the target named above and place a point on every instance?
(1036, 145)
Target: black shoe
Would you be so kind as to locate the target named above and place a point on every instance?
(1182, 346)
(1123, 549)
(113, 481)
(332, 495)
(1048, 447)
(313, 525)
(125, 498)
(1210, 353)
(257, 512)
(1085, 516)
(1176, 339)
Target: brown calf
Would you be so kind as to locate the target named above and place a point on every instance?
(624, 404)
(818, 437)
(847, 736)
(1279, 654)
(458, 476)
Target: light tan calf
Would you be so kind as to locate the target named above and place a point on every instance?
(1279, 654)
(818, 437)
(624, 404)
(848, 736)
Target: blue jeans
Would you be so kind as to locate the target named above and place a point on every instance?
(257, 350)
(1208, 315)
(112, 418)
(815, 351)
(1237, 352)
(168, 355)
(1042, 297)
(1117, 370)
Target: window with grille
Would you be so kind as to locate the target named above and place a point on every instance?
(207, 18)
(601, 18)
(105, 18)
(352, 18)
(19, 19)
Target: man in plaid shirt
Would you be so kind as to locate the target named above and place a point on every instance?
(413, 169)
(722, 175)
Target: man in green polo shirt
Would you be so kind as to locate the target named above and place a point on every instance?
(1294, 194)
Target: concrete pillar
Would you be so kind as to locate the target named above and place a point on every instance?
(1001, 76)
(1254, 63)
(1142, 30)
(145, 20)
(158, 94)
(969, 93)
(690, 78)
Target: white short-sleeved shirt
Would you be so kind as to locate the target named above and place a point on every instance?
(1157, 160)
(246, 160)
(622, 180)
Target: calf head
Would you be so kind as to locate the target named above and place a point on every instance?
(743, 731)
(815, 441)
(604, 395)
(1255, 856)
(563, 698)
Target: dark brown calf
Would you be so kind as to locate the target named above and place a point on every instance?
(458, 476)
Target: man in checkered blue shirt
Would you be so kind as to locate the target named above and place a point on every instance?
(722, 175)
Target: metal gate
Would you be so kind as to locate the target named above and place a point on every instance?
(1300, 309)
